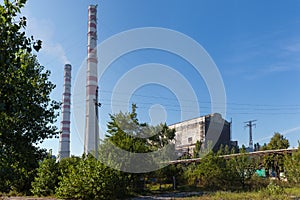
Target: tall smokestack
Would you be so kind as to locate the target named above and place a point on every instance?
(64, 141)
(91, 126)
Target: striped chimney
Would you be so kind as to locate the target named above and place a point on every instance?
(91, 126)
(64, 141)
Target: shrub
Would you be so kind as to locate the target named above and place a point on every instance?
(292, 167)
(273, 191)
(257, 183)
(46, 179)
(91, 179)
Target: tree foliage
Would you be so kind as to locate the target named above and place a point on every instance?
(197, 149)
(91, 179)
(215, 172)
(292, 166)
(46, 179)
(209, 173)
(27, 113)
(275, 162)
(126, 132)
(278, 142)
(50, 173)
(129, 146)
(242, 168)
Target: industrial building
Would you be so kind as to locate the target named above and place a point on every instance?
(206, 128)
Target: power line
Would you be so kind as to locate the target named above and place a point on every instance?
(208, 102)
(186, 108)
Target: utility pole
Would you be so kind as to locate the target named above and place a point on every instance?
(97, 106)
(250, 124)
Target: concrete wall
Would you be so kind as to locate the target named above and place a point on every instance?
(205, 128)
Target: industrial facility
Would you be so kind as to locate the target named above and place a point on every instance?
(206, 128)
(91, 136)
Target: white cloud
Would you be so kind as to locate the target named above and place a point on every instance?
(44, 30)
(55, 50)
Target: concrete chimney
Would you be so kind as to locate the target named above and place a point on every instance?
(64, 141)
(91, 139)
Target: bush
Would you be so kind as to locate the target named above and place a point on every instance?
(91, 179)
(210, 173)
(257, 183)
(292, 167)
(273, 191)
(47, 178)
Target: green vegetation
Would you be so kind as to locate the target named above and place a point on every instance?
(27, 113)
(292, 167)
(91, 179)
(275, 162)
(46, 179)
(87, 178)
(274, 192)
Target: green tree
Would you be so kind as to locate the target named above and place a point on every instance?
(197, 149)
(161, 136)
(27, 113)
(226, 150)
(223, 150)
(292, 166)
(242, 168)
(91, 179)
(46, 180)
(65, 165)
(278, 142)
(50, 173)
(264, 147)
(220, 150)
(126, 137)
(209, 172)
(124, 133)
(275, 162)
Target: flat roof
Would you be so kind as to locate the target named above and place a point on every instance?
(208, 115)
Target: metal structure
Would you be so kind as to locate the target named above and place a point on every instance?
(64, 141)
(250, 124)
(91, 139)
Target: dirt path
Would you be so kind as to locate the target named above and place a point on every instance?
(26, 198)
(163, 196)
(166, 196)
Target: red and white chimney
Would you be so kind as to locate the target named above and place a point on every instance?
(64, 141)
(91, 139)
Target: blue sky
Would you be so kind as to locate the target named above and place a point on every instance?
(255, 45)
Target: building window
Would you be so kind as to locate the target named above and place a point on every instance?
(190, 140)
